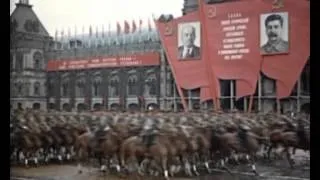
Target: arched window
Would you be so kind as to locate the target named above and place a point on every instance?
(19, 61)
(37, 59)
(80, 87)
(18, 88)
(153, 87)
(96, 86)
(65, 88)
(36, 89)
(27, 88)
(114, 86)
(133, 85)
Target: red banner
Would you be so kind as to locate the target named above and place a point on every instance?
(286, 68)
(233, 42)
(189, 73)
(146, 59)
(244, 41)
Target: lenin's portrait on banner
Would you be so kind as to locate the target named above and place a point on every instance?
(189, 41)
(274, 33)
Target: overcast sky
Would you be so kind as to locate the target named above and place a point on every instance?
(64, 14)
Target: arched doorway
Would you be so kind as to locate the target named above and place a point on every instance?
(81, 107)
(133, 107)
(97, 107)
(115, 107)
(66, 107)
(36, 106)
(51, 106)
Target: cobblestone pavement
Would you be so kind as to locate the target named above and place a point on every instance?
(277, 170)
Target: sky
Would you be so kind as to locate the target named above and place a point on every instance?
(65, 14)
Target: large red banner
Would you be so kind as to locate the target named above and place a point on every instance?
(145, 59)
(286, 68)
(189, 72)
(244, 41)
(232, 35)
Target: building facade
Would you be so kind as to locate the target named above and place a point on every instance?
(118, 87)
(28, 47)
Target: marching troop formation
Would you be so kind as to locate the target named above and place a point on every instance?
(155, 143)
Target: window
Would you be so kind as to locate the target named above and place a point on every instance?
(64, 88)
(153, 87)
(268, 86)
(37, 58)
(96, 86)
(27, 88)
(80, 88)
(19, 61)
(36, 89)
(132, 85)
(114, 87)
(18, 87)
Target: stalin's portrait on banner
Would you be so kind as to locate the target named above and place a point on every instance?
(274, 33)
(189, 40)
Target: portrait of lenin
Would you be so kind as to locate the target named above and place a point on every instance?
(189, 37)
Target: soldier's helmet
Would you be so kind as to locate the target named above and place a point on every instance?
(244, 127)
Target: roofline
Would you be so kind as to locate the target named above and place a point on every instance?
(30, 6)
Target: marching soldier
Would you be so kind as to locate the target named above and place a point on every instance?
(149, 130)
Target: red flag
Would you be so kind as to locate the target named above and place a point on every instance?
(118, 28)
(234, 49)
(286, 68)
(126, 27)
(188, 73)
(134, 26)
(149, 25)
(140, 25)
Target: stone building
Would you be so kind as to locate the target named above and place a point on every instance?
(122, 88)
(29, 43)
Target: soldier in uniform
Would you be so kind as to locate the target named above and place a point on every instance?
(274, 30)
(242, 134)
(102, 128)
(148, 132)
(301, 130)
